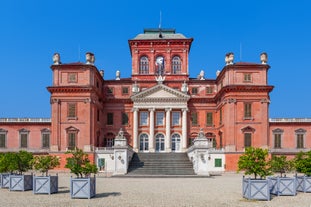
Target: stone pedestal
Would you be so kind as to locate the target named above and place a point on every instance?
(121, 154)
(199, 154)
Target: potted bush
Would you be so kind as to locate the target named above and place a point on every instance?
(254, 161)
(83, 186)
(303, 165)
(20, 163)
(45, 184)
(282, 185)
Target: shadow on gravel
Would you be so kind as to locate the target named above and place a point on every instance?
(64, 190)
(102, 195)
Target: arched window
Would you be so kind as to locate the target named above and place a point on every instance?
(176, 143)
(143, 65)
(144, 142)
(160, 142)
(176, 65)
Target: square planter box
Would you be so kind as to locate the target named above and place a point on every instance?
(304, 184)
(255, 189)
(82, 187)
(45, 184)
(283, 186)
(5, 180)
(20, 182)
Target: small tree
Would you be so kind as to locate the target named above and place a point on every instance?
(280, 164)
(45, 163)
(79, 164)
(254, 161)
(13, 162)
(303, 163)
(24, 161)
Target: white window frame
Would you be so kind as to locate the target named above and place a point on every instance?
(175, 118)
(160, 118)
(143, 118)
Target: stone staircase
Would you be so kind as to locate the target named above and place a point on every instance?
(160, 164)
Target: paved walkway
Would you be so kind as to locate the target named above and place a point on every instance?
(224, 190)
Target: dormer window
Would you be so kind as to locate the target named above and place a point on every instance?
(176, 65)
(144, 65)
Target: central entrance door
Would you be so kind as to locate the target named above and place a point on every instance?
(176, 143)
(160, 143)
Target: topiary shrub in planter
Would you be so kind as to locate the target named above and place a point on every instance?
(281, 185)
(303, 165)
(22, 161)
(83, 186)
(254, 161)
(45, 184)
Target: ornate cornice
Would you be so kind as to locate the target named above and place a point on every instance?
(69, 89)
(243, 88)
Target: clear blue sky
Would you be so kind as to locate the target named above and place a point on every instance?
(31, 31)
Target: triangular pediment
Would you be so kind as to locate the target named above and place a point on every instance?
(160, 92)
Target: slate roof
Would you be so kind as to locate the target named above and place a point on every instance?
(153, 34)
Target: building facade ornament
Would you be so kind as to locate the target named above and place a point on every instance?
(56, 59)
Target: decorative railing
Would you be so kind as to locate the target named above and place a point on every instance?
(21, 120)
(102, 149)
(283, 120)
(40, 150)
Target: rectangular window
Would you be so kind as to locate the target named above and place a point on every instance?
(175, 118)
(247, 140)
(71, 140)
(109, 118)
(125, 90)
(300, 140)
(24, 140)
(220, 141)
(247, 110)
(125, 119)
(72, 77)
(2, 140)
(194, 90)
(247, 77)
(143, 118)
(220, 116)
(209, 90)
(45, 140)
(110, 90)
(277, 140)
(209, 119)
(72, 110)
(194, 118)
(218, 162)
(160, 118)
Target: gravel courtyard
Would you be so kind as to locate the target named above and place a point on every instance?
(224, 190)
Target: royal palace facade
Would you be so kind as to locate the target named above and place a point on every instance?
(159, 108)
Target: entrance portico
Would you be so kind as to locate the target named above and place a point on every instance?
(160, 113)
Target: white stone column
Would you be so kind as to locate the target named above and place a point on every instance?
(184, 129)
(168, 147)
(151, 131)
(135, 130)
